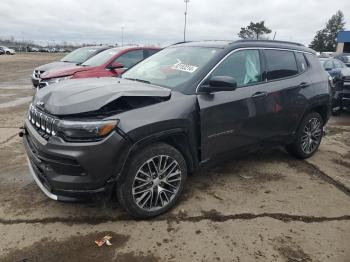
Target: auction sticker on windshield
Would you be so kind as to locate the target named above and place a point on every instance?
(183, 67)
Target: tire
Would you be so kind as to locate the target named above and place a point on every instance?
(7, 53)
(308, 136)
(153, 181)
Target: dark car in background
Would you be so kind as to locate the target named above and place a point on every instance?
(341, 83)
(76, 57)
(109, 63)
(139, 136)
(2, 51)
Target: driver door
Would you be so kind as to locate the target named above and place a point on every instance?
(233, 120)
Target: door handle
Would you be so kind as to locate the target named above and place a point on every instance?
(259, 94)
(304, 84)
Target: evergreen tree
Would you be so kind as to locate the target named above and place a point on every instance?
(326, 39)
(254, 31)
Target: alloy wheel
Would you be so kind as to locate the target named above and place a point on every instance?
(311, 137)
(156, 183)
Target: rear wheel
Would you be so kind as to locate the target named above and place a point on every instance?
(154, 180)
(308, 136)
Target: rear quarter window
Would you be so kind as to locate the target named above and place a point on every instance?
(280, 64)
(301, 61)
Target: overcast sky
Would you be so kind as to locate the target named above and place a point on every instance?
(161, 21)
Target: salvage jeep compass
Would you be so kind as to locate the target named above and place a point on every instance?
(139, 136)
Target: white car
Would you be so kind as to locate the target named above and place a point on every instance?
(8, 51)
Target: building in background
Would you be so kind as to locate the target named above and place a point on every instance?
(343, 40)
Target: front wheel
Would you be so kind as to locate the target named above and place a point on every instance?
(153, 182)
(308, 136)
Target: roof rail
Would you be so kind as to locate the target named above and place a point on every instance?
(269, 41)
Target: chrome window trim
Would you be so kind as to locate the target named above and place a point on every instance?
(248, 48)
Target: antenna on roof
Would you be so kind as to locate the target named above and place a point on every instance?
(274, 36)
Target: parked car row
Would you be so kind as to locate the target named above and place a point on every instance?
(76, 57)
(90, 62)
(139, 135)
(344, 57)
(6, 51)
(46, 49)
(340, 74)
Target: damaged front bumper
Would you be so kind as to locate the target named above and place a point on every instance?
(74, 171)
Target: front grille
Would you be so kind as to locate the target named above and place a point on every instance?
(37, 73)
(45, 124)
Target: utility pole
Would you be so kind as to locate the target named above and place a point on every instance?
(122, 35)
(274, 37)
(186, 2)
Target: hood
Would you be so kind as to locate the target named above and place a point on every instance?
(54, 65)
(64, 71)
(91, 94)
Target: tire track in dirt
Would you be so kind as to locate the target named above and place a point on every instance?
(211, 215)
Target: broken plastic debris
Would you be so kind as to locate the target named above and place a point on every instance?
(246, 177)
(218, 197)
(104, 240)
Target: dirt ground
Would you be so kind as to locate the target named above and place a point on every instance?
(265, 207)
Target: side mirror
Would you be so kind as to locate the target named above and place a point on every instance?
(219, 83)
(115, 65)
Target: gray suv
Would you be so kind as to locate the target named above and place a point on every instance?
(139, 136)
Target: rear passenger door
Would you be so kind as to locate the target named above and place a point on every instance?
(287, 82)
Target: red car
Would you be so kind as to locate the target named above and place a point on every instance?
(109, 63)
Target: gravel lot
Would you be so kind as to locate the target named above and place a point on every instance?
(265, 207)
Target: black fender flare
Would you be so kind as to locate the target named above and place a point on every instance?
(189, 154)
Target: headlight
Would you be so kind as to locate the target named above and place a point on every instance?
(85, 130)
(58, 79)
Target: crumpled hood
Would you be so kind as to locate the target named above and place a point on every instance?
(54, 65)
(90, 94)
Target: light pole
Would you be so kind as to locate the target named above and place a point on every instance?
(122, 35)
(186, 2)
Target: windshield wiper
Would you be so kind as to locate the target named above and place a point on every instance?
(139, 80)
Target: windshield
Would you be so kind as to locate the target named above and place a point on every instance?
(79, 55)
(101, 58)
(172, 66)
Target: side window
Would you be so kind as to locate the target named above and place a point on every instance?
(244, 66)
(280, 64)
(337, 64)
(130, 58)
(301, 61)
(150, 52)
